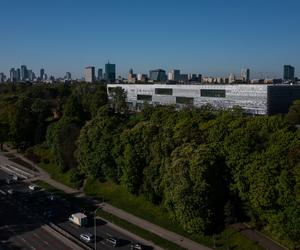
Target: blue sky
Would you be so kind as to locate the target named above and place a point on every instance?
(212, 37)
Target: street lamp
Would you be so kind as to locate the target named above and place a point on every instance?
(95, 231)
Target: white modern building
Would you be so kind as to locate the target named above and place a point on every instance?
(256, 99)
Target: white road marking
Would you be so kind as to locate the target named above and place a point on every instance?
(41, 239)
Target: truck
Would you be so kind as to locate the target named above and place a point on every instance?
(79, 219)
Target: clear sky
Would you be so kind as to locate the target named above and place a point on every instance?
(212, 37)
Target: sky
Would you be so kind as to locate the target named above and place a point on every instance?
(211, 37)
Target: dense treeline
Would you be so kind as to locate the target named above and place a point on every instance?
(208, 168)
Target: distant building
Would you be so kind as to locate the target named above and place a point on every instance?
(30, 75)
(184, 78)
(24, 74)
(110, 72)
(142, 77)
(132, 78)
(2, 77)
(18, 75)
(89, 74)
(158, 75)
(68, 76)
(174, 75)
(245, 74)
(288, 73)
(13, 75)
(100, 75)
(42, 74)
(231, 78)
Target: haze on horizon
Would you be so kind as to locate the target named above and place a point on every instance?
(209, 37)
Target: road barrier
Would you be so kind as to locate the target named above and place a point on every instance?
(69, 236)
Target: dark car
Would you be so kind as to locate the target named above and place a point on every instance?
(136, 246)
(112, 241)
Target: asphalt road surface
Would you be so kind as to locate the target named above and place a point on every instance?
(20, 230)
(24, 212)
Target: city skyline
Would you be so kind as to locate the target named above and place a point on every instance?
(194, 37)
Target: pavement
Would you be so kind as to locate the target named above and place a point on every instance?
(26, 225)
(22, 230)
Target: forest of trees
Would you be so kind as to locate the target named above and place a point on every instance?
(207, 167)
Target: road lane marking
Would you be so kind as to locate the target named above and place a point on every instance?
(41, 239)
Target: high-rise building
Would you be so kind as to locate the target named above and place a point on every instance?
(24, 75)
(132, 78)
(42, 74)
(13, 75)
(245, 74)
(158, 75)
(174, 75)
(288, 73)
(231, 78)
(18, 75)
(30, 75)
(100, 74)
(89, 74)
(110, 72)
(68, 76)
(142, 77)
(2, 77)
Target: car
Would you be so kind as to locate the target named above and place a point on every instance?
(87, 237)
(33, 187)
(51, 197)
(136, 246)
(9, 181)
(10, 191)
(15, 178)
(112, 241)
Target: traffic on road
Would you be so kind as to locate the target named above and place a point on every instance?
(25, 208)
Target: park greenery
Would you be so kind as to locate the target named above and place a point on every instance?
(207, 168)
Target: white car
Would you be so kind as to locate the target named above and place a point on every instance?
(87, 237)
(33, 187)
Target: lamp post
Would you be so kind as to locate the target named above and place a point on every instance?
(95, 226)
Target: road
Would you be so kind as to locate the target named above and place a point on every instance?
(20, 230)
(24, 213)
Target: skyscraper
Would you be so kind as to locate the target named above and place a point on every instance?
(231, 78)
(100, 74)
(42, 73)
(288, 73)
(24, 75)
(18, 75)
(2, 77)
(89, 74)
(174, 75)
(110, 72)
(68, 76)
(30, 75)
(13, 75)
(158, 75)
(245, 74)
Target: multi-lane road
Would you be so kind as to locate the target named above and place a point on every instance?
(24, 221)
